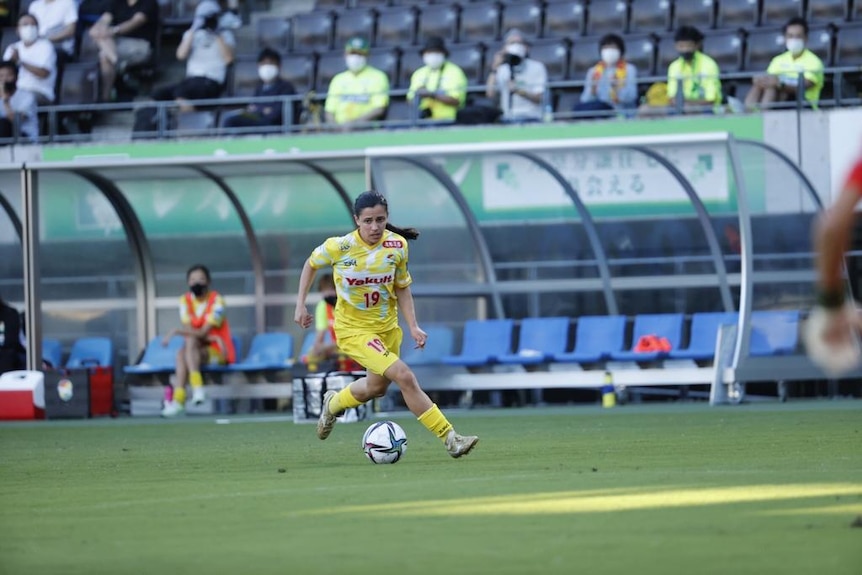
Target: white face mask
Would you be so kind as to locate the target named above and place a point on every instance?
(267, 72)
(517, 50)
(355, 62)
(433, 60)
(610, 56)
(28, 33)
(795, 45)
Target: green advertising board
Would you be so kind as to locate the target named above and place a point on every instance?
(497, 187)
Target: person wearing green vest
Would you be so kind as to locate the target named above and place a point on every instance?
(694, 74)
(440, 86)
(781, 81)
(360, 94)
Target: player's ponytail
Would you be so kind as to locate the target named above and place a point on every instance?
(372, 198)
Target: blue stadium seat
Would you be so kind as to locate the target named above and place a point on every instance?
(484, 341)
(441, 342)
(541, 338)
(157, 358)
(52, 351)
(268, 352)
(308, 342)
(703, 335)
(774, 333)
(91, 351)
(596, 338)
(564, 19)
(668, 325)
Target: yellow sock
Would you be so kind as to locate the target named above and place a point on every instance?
(343, 400)
(436, 422)
(196, 379)
(180, 395)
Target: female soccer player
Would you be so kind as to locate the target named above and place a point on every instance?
(207, 340)
(371, 278)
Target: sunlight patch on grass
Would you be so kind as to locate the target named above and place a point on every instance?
(602, 501)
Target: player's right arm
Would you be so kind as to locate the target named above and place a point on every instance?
(832, 234)
(306, 278)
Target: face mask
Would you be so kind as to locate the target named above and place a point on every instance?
(198, 289)
(687, 56)
(355, 62)
(267, 72)
(28, 33)
(519, 50)
(433, 60)
(610, 56)
(795, 45)
(331, 299)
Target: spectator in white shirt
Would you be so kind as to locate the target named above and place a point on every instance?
(17, 107)
(36, 59)
(518, 80)
(57, 20)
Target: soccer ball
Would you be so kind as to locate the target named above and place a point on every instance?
(384, 442)
(65, 390)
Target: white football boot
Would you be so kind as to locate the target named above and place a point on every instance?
(198, 395)
(327, 419)
(173, 409)
(458, 445)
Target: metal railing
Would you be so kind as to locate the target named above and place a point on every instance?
(168, 112)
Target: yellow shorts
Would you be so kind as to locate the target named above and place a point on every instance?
(374, 351)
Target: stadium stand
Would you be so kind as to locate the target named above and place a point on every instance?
(526, 17)
(479, 23)
(438, 20)
(396, 28)
(650, 16)
(564, 19)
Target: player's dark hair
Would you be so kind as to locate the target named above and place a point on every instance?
(269, 54)
(614, 39)
(797, 21)
(200, 267)
(370, 199)
(688, 33)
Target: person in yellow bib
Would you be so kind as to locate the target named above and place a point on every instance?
(781, 81)
(358, 95)
(207, 340)
(695, 71)
(440, 86)
(369, 266)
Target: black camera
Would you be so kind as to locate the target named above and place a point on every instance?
(512, 60)
(210, 22)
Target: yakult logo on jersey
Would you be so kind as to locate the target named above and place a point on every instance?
(369, 280)
(392, 244)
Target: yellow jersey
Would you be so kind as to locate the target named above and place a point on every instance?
(351, 96)
(450, 80)
(699, 79)
(212, 317)
(788, 68)
(365, 280)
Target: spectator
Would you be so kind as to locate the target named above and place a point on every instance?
(610, 85)
(229, 18)
(36, 60)
(125, 35)
(360, 93)
(207, 51)
(19, 106)
(12, 355)
(57, 21)
(207, 340)
(519, 80)
(439, 85)
(781, 80)
(264, 114)
(698, 74)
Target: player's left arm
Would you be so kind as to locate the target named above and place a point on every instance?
(832, 239)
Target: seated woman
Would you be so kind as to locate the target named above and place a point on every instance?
(207, 340)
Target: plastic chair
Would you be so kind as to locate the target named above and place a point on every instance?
(471, 59)
(703, 335)
(541, 338)
(484, 341)
(312, 32)
(564, 19)
(441, 342)
(596, 337)
(526, 17)
(396, 27)
(90, 352)
(736, 14)
(274, 33)
(666, 325)
(726, 49)
(778, 12)
(688, 11)
(354, 23)
(479, 23)
(774, 333)
(554, 54)
(650, 16)
(438, 21)
(606, 18)
(52, 352)
(267, 352)
(157, 358)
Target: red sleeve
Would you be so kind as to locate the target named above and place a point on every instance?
(854, 180)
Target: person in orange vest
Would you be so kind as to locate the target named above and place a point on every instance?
(207, 340)
(326, 349)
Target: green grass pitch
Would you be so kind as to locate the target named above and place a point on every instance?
(671, 488)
